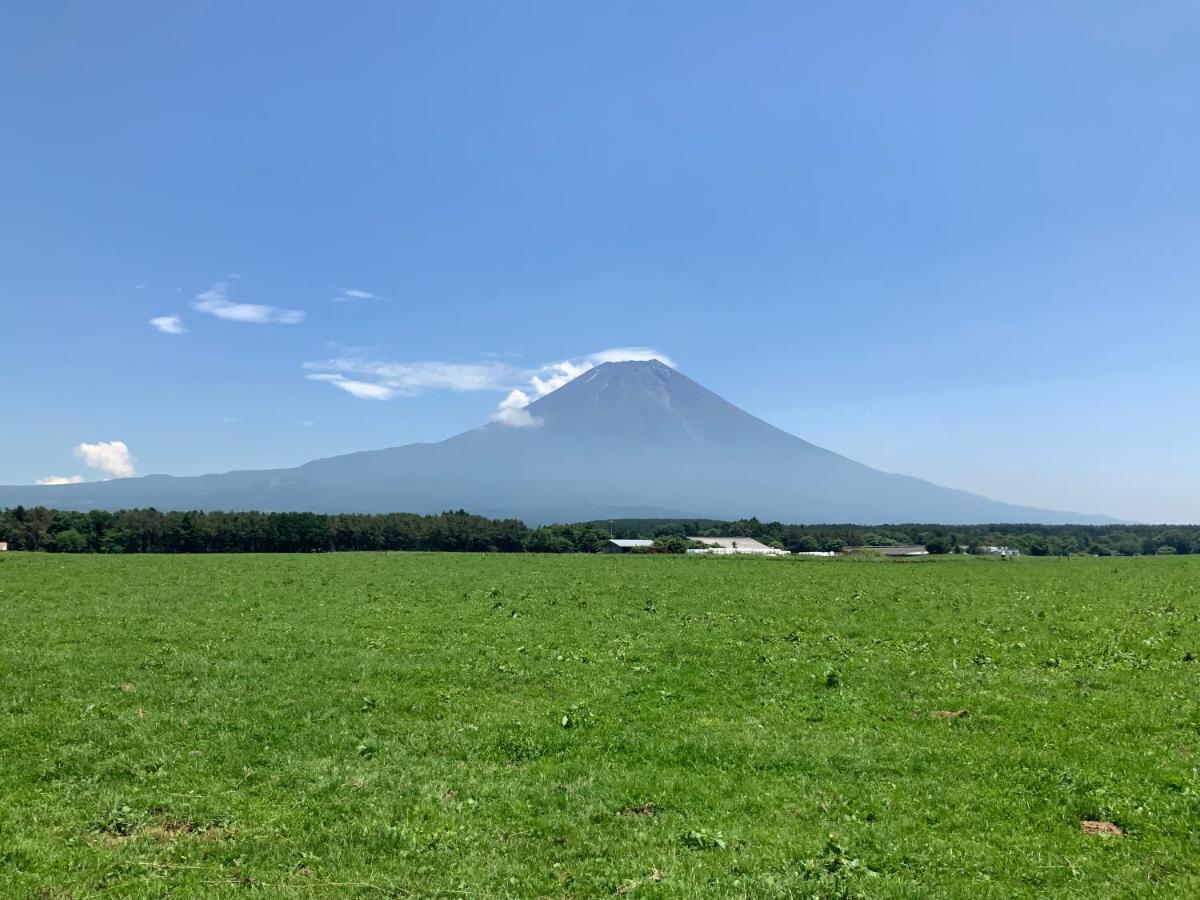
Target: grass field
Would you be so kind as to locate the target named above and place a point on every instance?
(451, 725)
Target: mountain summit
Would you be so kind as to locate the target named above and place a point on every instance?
(624, 439)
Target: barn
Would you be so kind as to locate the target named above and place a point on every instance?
(728, 546)
(624, 545)
(891, 551)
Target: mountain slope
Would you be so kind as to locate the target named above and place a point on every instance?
(622, 440)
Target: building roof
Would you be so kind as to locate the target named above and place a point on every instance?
(631, 542)
(893, 551)
(742, 543)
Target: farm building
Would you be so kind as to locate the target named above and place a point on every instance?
(3, 546)
(719, 546)
(992, 550)
(891, 551)
(624, 545)
(727, 546)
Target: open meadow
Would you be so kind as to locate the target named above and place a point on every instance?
(370, 725)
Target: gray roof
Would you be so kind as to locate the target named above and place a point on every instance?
(631, 542)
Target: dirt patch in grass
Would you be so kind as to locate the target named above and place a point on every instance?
(949, 714)
(168, 831)
(656, 875)
(165, 832)
(649, 808)
(1095, 826)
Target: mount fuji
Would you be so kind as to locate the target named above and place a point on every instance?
(622, 440)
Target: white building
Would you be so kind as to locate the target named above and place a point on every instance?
(992, 550)
(728, 546)
(890, 551)
(717, 546)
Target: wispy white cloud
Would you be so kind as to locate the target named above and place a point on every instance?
(111, 457)
(60, 479)
(382, 380)
(168, 324)
(408, 379)
(555, 375)
(349, 295)
(512, 411)
(364, 390)
(215, 301)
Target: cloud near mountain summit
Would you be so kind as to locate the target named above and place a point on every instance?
(369, 379)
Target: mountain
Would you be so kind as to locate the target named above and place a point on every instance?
(623, 440)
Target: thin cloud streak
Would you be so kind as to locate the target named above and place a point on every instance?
(364, 390)
(215, 301)
(60, 479)
(349, 295)
(408, 379)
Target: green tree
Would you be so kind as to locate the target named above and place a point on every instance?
(671, 543)
(69, 541)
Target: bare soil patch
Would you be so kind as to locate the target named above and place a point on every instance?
(949, 714)
(166, 832)
(649, 808)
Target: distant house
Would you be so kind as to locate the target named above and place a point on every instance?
(3, 546)
(891, 551)
(624, 545)
(728, 546)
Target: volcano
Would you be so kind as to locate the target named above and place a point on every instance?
(623, 440)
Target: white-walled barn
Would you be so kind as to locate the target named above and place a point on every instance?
(727, 546)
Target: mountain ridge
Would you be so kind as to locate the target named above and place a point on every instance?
(622, 440)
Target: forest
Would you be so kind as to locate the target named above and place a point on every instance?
(152, 531)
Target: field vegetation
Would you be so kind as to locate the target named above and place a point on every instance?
(494, 725)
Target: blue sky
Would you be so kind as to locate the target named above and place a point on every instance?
(953, 240)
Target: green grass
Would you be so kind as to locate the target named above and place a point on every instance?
(449, 725)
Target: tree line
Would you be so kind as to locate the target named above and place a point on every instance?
(151, 531)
